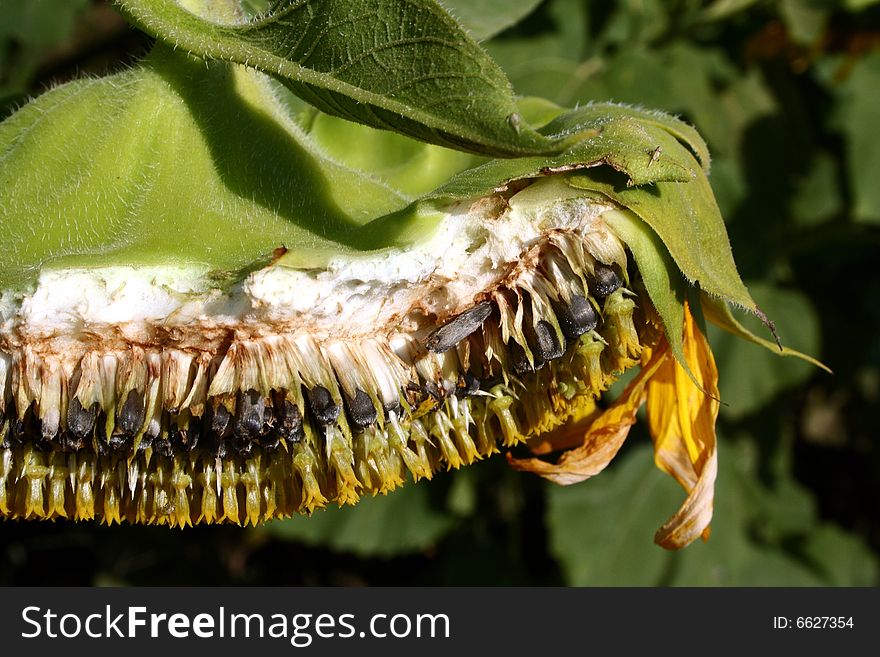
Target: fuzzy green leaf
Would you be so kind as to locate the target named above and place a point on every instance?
(640, 123)
(858, 117)
(659, 173)
(112, 171)
(400, 65)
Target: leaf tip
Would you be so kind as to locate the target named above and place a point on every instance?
(771, 326)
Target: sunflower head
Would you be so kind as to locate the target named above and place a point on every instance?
(214, 310)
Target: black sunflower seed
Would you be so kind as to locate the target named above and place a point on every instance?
(250, 416)
(162, 446)
(457, 329)
(321, 402)
(119, 442)
(244, 446)
(219, 447)
(361, 411)
(290, 422)
(520, 360)
(547, 342)
(605, 281)
(146, 442)
(392, 407)
(432, 390)
(101, 444)
(129, 421)
(577, 317)
(269, 440)
(221, 421)
(70, 442)
(16, 432)
(81, 421)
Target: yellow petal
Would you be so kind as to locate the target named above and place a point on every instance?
(603, 436)
(681, 418)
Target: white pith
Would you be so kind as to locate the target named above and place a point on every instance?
(392, 294)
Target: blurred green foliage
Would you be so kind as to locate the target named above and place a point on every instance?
(27, 31)
(786, 94)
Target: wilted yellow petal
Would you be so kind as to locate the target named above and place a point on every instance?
(681, 418)
(602, 437)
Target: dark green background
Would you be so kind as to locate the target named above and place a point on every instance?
(787, 94)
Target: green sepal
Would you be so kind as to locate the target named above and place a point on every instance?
(687, 219)
(663, 282)
(597, 115)
(600, 134)
(718, 312)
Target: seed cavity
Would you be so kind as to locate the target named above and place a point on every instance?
(468, 385)
(185, 436)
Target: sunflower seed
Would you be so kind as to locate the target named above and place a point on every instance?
(250, 413)
(221, 420)
(119, 441)
(162, 446)
(145, 443)
(577, 317)
(394, 407)
(325, 409)
(71, 443)
(129, 420)
(81, 421)
(521, 363)
(290, 422)
(547, 342)
(606, 281)
(361, 411)
(457, 329)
